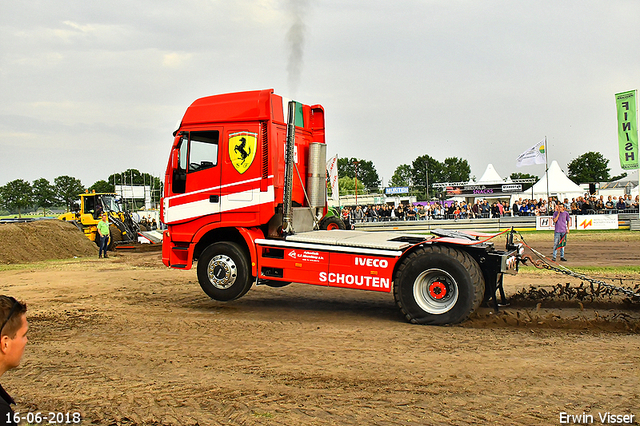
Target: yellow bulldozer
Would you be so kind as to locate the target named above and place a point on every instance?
(86, 215)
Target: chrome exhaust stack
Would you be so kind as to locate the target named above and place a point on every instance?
(287, 207)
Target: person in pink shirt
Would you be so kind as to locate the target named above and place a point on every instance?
(562, 222)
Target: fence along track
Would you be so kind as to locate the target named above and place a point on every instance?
(625, 221)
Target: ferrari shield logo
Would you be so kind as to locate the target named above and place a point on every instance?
(242, 150)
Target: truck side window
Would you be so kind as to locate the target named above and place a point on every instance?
(203, 153)
(89, 206)
(182, 160)
(179, 180)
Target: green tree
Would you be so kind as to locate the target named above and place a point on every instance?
(17, 195)
(367, 173)
(589, 167)
(102, 186)
(68, 190)
(518, 175)
(426, 168)
(619, 177)
(455, 169)
(135, 177)
(402, 176)
(347, 186)
(44, 194)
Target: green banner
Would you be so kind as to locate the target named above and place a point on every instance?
(627, 129)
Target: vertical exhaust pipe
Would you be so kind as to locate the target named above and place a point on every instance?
(287, 207)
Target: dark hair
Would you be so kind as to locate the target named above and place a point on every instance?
(10, 312)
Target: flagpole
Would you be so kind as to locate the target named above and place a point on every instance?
(338, 186)
(546, 171)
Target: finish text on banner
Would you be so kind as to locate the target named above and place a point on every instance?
(627, 129)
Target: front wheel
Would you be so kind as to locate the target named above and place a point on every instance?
(223, 271)
(438, 285)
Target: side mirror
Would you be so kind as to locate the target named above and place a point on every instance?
(175, 159)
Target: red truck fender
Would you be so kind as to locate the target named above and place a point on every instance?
(250, 235)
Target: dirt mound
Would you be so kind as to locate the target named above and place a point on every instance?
(42, 240)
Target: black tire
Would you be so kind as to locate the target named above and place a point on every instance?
(332, 222)
(223, 271)
(275, 284)
(438, 285)
(115, 236)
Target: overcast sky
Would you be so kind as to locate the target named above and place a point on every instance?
(93, 88)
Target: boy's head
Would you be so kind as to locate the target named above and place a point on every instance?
(10, 312)
(13, 332)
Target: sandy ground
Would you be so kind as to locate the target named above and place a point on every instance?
(126, 341)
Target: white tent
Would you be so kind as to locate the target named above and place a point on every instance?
(559, 186)
(490, 176)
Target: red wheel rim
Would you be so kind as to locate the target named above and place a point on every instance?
(437, 290)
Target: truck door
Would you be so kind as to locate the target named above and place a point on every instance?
(195, 181)
(241, 179)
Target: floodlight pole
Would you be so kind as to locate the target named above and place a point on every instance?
(356, 164)
(427, 186)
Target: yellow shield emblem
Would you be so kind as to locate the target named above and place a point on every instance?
(242, 150)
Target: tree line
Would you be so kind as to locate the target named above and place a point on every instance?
(19, 195)
(425, 170)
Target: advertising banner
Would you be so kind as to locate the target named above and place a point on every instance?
(627, 129)
(397, 190)
(133, 191)
(598, 221)
(582, 222)
(498, 189)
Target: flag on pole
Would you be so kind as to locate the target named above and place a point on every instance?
(627, 129)
(332, 170)
(534, 155)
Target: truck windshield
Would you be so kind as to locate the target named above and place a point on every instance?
(110, 204)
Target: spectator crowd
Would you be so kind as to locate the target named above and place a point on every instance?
(587, 204)
(149, 223)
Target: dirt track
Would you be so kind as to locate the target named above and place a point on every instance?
(127, 341)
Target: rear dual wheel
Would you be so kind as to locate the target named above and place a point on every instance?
(438, 285)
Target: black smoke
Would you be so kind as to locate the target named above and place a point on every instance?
(295, 43)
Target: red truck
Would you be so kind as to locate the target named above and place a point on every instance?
(245, 196)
